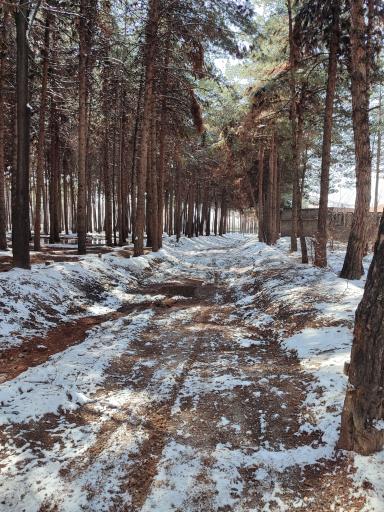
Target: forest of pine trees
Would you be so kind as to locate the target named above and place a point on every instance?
(106, 95)
(119, 130)
(116, 119)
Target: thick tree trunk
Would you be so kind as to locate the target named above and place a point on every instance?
(353, 268)
(278, 197)
(134, 166)
(302, 170)
(163, 145)
(82, 132)
(45, 203)
(293, 116)
(364, 400)
(73, 203)
(155, 192)
(152, 195)
(54, 203)
(123, 189)
(303, 242)
(378, 155)
(271, 192)
(87, 160)
(260, 199)
(107, 174)
(149, 54)
(21, 228)
(322, 221)
(113, 177)
(41, 136)
(3, 212)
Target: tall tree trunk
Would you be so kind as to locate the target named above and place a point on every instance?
(99, 221)
(365, 393)
(163, 143)
(113, 179)
(208, 220)
(65, 193)
(378, 155)
(82, 133)
(171, 208)
(3, 212)
(260, 200)
(322, 221)
(178, 198)
(54, 229)
(223, 213)
(353, 268)
(41, 136)
(278, 196)
(88, 168)
(148, 199)
(154, 184)
(215, 214)
(21, 228)
(270, 206)
(123, 192)
(191, 204)
(302, 169)
(135, 138)
(73, 203)
(303, 242)
(107, 175)
(293, 116)
(45, 202)
(149, 54)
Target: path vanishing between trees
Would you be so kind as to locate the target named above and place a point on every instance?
(186, 401)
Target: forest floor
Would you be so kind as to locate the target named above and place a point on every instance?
(206, 377)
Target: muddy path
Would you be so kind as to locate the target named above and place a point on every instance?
(200, 411)
(37, 350)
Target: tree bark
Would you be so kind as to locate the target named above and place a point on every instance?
(163, 144)
(260, 200)
(353, 268)
(322, 221)
(178, 199)
(293, 116)
(123, 189)
(191, 204)
(21, 228)
(149, 54)
(54, 182)
(378, 155)
(3, 211)
(302, 169)
(154, 185)
(82, 132)
(41, 136)
(65, 193)
(364, 400)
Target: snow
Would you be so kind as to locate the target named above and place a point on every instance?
(33, 301)
(68, 379)
(180, 465)
(72, 381)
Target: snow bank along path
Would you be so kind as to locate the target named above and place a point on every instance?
(197, 404)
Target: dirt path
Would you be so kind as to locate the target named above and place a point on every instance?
(201, 411)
